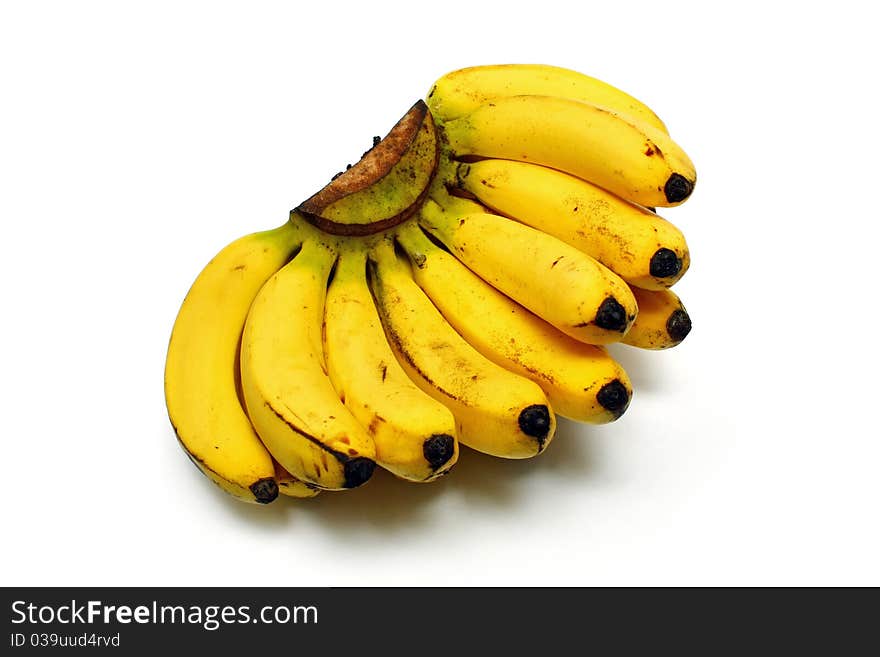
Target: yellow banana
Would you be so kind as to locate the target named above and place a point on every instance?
(632, 160)
(641, 247)
(461, 92)
(497, 412)
(560, 284)
(290, 486)
(662, 321)
(413, 433)
(201, 369)
(581, 381)
(289, 396)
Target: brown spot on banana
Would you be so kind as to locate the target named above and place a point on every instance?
(374, 424)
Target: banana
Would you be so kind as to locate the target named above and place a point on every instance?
(290, 486)
(662, 321)
(560, 284)
(641, 247)
(632, 160)
(289, 397)
(413, 433)
(581, 381)
(201, 369)
(461, 92)
(497, 412)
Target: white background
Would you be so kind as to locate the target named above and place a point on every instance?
(137, 139)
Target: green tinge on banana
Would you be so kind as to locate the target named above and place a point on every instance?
(383, 189)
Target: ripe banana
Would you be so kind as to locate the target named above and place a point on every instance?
(454, 285)
(290, 486)
(413, 433)
(641, 247)
(201, 368)
(463, 91)
(632, 160)
(581, 381)
(560, 284)
(497, 412)
(662, 322)
(289, 396)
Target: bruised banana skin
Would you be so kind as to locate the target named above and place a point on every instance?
(562, 285)
(461, 92)
(662, 323)
(641, 247)
(580, 139)
(497, 411)
(581, 381)
(201, 366)
(414, 434)
(289, 396)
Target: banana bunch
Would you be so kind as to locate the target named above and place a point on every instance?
(457, 286)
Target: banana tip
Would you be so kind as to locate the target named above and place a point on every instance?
(611, 315)
(358, 471)
(265, 490)
(535, 421)
(438, 449)
(678, 188)
(678, 325)
(665, 263)
(614, 397)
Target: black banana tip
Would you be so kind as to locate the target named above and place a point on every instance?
(614, 397)
(265, 490)
(438, 449)
(358, 471)
(678, 325)
(664, 263)
(677, 188)
(535, 421)
(611, 315)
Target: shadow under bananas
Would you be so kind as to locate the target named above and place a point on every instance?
(645, 370)
(477, 481)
